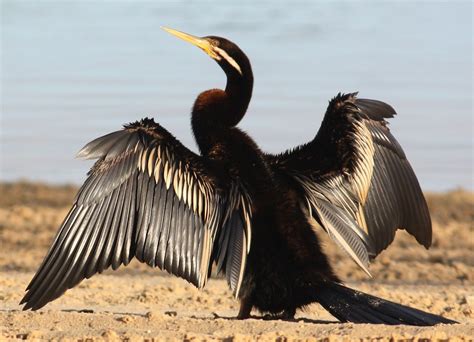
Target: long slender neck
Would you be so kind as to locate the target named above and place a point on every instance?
(217, 110)
(239, 93)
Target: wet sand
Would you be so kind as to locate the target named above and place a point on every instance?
(137, 302)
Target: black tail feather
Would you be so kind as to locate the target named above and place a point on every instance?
(349, 305)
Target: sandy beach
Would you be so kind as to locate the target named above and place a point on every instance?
(140, 303)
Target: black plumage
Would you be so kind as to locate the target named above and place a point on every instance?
(253, 215)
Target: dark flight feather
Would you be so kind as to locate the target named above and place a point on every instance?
(132, 204)
(355, 164)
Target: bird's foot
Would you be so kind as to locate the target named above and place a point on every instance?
(245, 308)
(287, 315)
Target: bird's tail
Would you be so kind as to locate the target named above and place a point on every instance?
(349, 305)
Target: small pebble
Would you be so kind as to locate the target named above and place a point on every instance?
(125, 319)
(110, 335)
(171, 313)
(470, 301)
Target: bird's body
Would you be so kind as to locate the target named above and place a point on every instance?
(254, 215)
(278, 278)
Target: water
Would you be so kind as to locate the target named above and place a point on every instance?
(72, 71)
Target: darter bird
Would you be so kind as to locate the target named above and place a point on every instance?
(251, 214)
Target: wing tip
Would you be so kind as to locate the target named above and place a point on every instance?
(104, 145)
(426, 243)
(375, 109)
(27, 305)
(32, 301)
(22, 301)
(84, 153)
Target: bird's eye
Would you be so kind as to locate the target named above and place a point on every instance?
(214, 42)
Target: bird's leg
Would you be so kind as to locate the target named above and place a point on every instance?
(288, 314)
(245, 308)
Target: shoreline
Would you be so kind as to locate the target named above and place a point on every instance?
(137, 302)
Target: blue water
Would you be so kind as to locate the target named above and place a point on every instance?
(72, 71)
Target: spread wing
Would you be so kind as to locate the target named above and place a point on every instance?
(150, 197)
(355, 179)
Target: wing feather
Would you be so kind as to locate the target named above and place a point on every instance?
(355, 164)
(337, 223)
(150, 197)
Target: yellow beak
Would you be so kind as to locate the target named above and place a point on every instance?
(201, 43)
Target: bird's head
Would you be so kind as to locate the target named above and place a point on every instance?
(227, 54)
